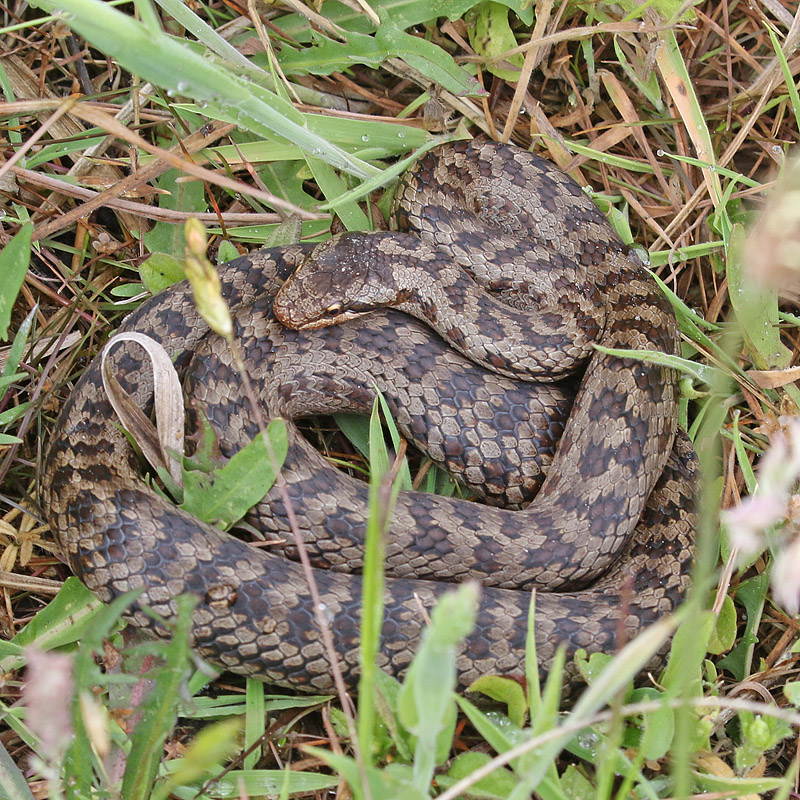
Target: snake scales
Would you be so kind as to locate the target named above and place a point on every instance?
(611, 528)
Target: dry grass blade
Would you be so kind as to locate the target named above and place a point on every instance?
(27, 583)
(209, 134)
(131, 206)
(111, 125)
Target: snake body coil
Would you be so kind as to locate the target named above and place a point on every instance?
(611, 528)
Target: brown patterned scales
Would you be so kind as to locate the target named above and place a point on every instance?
(595, 516)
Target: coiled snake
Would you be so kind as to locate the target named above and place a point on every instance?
(611, 528)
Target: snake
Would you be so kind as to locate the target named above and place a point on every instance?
(513, 264)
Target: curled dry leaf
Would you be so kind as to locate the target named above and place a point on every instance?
(715, 766)
(162, 445)
(774, 378)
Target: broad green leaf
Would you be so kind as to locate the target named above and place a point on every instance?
(791, 692)
(490, 35)
(61, 622)
(591, 666)
(166, 237)
(227, 494)
(576, 785)
(384, 784)
(126, 290)
(494, 727)
(504, 690)
(161, 270)
(752, 594)
(658, 727)
(403, 13)
(227, 252)
(759, 733)
(14, 260)
(431, 60)
(499, 783)
(286, 232)
(328, 55)
(723, 636)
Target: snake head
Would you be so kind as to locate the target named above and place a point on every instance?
(342, 279)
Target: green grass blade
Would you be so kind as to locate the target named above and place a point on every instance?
(14, 260)
(382, 498)
(170, 64)
(371, 184)
(791, 87)
(256, 783)
(425, 705)
(333, 187)
(12, 781)
(79, 760)
(204, 33)
(160, 709)
(15, 352)
(255, 720)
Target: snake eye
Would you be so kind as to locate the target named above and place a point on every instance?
(334, 310)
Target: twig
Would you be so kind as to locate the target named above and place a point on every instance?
(151, 212)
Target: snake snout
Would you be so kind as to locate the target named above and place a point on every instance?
(342, 279)
(303, 304)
